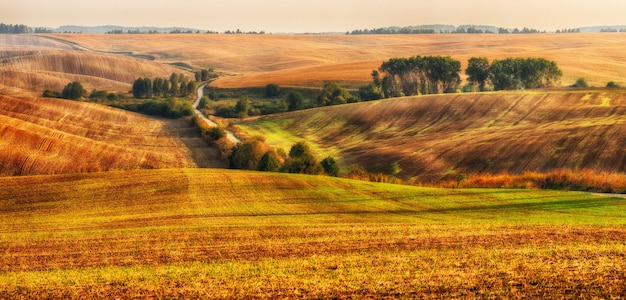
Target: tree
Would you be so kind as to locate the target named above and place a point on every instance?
(272, 90)
(478, 71)
(580, 83)
(330, 166)
(246, 156)
(333, 94)
(612, 84)
(294, 101)
(142, 88)
(302, 160)
(505, 74)
(73, 91)
(269, 162)
(242, 107)
(215, 133)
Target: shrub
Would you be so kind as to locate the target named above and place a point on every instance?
(330, 166)
(580, 83)
(272, 90)
(215, 133)
(612, 84)
(269, 162)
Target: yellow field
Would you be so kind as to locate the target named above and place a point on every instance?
(200, 233)
(48, 136)
(309, 60)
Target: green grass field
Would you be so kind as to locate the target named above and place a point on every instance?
(234, 234)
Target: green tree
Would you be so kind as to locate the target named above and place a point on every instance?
(580, 83)
(333, 94)
(73, 91)
(246, 156)
(294, 101)
(330, 166)
(269, 162)
(272, 90)
(215, 133)
(302, 160)
(478, 71)
(242, 107)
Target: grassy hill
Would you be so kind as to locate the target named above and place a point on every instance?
(434, 136)
(48, 136)
(229, 234)
(310, 60)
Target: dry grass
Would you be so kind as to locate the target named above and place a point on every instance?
(309, 60)
(34, 64)
(229, 234)
(48, 136)
(436, 137)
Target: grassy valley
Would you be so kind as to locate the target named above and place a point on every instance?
(223, 234)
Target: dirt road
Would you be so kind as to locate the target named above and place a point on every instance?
(229, 134)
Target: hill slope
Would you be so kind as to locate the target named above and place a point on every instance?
(200, 233)
(34, 64)
(48, 136)
(310, 60)
(434, 136)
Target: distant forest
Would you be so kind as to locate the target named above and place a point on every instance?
(421, 29)
(432, 29)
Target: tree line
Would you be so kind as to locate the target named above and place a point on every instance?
(176, 86)
(253, 155)
(21, 29)
(441, 74)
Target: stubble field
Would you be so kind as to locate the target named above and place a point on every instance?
(310, 60)
(230, 234)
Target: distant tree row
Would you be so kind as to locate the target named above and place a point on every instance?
(412, 76)
(176, 86)
(238, 31)
(440, 74)
(21, 29)
(404, 30)
(513, 73)
(443, 29)
(252, 155)
(205, 74)
(72, 91)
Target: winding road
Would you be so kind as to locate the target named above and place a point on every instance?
(229, 134)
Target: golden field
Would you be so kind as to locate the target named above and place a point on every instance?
(49, 136)
(223, 234)
(309, 60)
(438, 136)
(32, 64)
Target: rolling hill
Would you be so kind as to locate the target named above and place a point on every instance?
(310, 60)
(50, 136)
(33, 64)
(202, 233)
(432, 137)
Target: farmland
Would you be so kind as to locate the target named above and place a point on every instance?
(223, 234)
(310, 60)
(48, 136)
(431, 137)
(111, 204)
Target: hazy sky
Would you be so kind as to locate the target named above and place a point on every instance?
(313, 15)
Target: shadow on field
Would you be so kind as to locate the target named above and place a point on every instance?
(203, 154)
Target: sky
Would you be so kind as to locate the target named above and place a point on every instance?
(313, 15)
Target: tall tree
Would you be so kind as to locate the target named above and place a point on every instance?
(478, 71)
